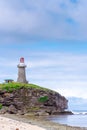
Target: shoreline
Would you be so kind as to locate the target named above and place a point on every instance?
(41, 122)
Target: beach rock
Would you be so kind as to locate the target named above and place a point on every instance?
(63, 113)
(42, 113)
(66, 113)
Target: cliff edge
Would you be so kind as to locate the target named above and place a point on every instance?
(30, 99)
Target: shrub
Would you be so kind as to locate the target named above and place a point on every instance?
(43, 99)
(1, 106)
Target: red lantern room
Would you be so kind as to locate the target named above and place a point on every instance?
(21, 60)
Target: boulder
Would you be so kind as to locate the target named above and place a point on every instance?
(12, 109)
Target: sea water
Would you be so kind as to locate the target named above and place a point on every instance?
(79, 119)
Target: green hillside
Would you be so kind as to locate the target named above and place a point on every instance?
(14, 86)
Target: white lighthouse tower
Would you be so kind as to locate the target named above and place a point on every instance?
(21, 71)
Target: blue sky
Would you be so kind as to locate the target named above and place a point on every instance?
(52, 37)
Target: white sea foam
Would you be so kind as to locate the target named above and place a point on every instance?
(78, 112)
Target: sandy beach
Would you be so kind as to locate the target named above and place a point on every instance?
(10, 124)
(17, 122)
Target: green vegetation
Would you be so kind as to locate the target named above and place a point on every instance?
(9, 87)
(43, 99)
(1, 106)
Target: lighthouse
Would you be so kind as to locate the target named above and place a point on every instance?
(21, 71)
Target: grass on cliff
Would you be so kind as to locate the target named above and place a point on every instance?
(9, 87)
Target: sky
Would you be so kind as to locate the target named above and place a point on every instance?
(52, 37)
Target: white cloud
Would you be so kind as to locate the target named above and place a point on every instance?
(58, 19)
(65, 73)
(7, 63)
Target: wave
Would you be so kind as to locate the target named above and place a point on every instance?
(79, 112)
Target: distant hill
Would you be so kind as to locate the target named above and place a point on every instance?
(75, 103)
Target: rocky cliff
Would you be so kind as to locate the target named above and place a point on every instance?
(35, 100)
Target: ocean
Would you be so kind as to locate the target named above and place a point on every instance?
(79, 119)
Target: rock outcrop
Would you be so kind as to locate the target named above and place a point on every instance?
(32, 101)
